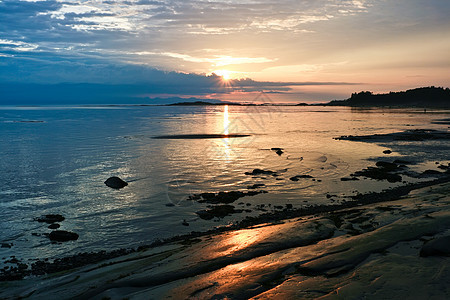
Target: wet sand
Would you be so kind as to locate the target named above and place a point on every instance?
(392, 249)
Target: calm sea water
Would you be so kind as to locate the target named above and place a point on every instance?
(56, 159)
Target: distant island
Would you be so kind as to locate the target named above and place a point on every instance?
(437, 97)
(419, 97)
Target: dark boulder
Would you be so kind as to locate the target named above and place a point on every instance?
(387, 151)
(49, 219)
(63, 236)
(115, 182)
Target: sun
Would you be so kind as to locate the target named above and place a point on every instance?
(225, 74)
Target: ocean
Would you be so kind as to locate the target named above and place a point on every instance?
(54, 160)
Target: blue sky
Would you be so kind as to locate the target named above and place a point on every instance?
(299, 51)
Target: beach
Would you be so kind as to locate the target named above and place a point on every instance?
(394, 249)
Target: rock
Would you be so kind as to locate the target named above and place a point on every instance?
(388, 166)
(349, 179)
(223, 197)
(444, 167)
(185, 223)
(431, 172)
(207, 196)
(218, 211)
(260, 172)
(381, 173)
(297, 177)
(115, 182)
(436, 247)
(50, 218)
(170, 204)
(6, 245)
(63, 236)
(387, 151)
(255, 186)
(409, 135)
(402, 162)
(278, 151)
(54, 226)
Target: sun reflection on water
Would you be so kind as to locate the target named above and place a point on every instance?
(226, 141)
(226, 121)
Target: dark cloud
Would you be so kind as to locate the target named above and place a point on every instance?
(64, 81)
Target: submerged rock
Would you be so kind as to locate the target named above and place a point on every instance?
(49, 219)
(63, 236)
(54, 226)
(115, 182)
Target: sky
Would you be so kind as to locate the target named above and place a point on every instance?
(293, 51)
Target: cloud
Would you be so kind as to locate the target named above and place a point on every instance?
(115, 42)
(62, 82)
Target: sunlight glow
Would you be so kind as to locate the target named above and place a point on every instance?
(225, 74)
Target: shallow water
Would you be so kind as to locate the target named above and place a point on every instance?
(56, 159)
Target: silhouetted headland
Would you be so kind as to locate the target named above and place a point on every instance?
(419, 97)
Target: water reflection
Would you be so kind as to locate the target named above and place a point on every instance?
(226, 141)
(226, 121)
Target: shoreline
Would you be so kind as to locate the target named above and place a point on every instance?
(43, 266)
(323, 255)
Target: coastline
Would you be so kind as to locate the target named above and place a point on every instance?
(315, 255)
(41, 266)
